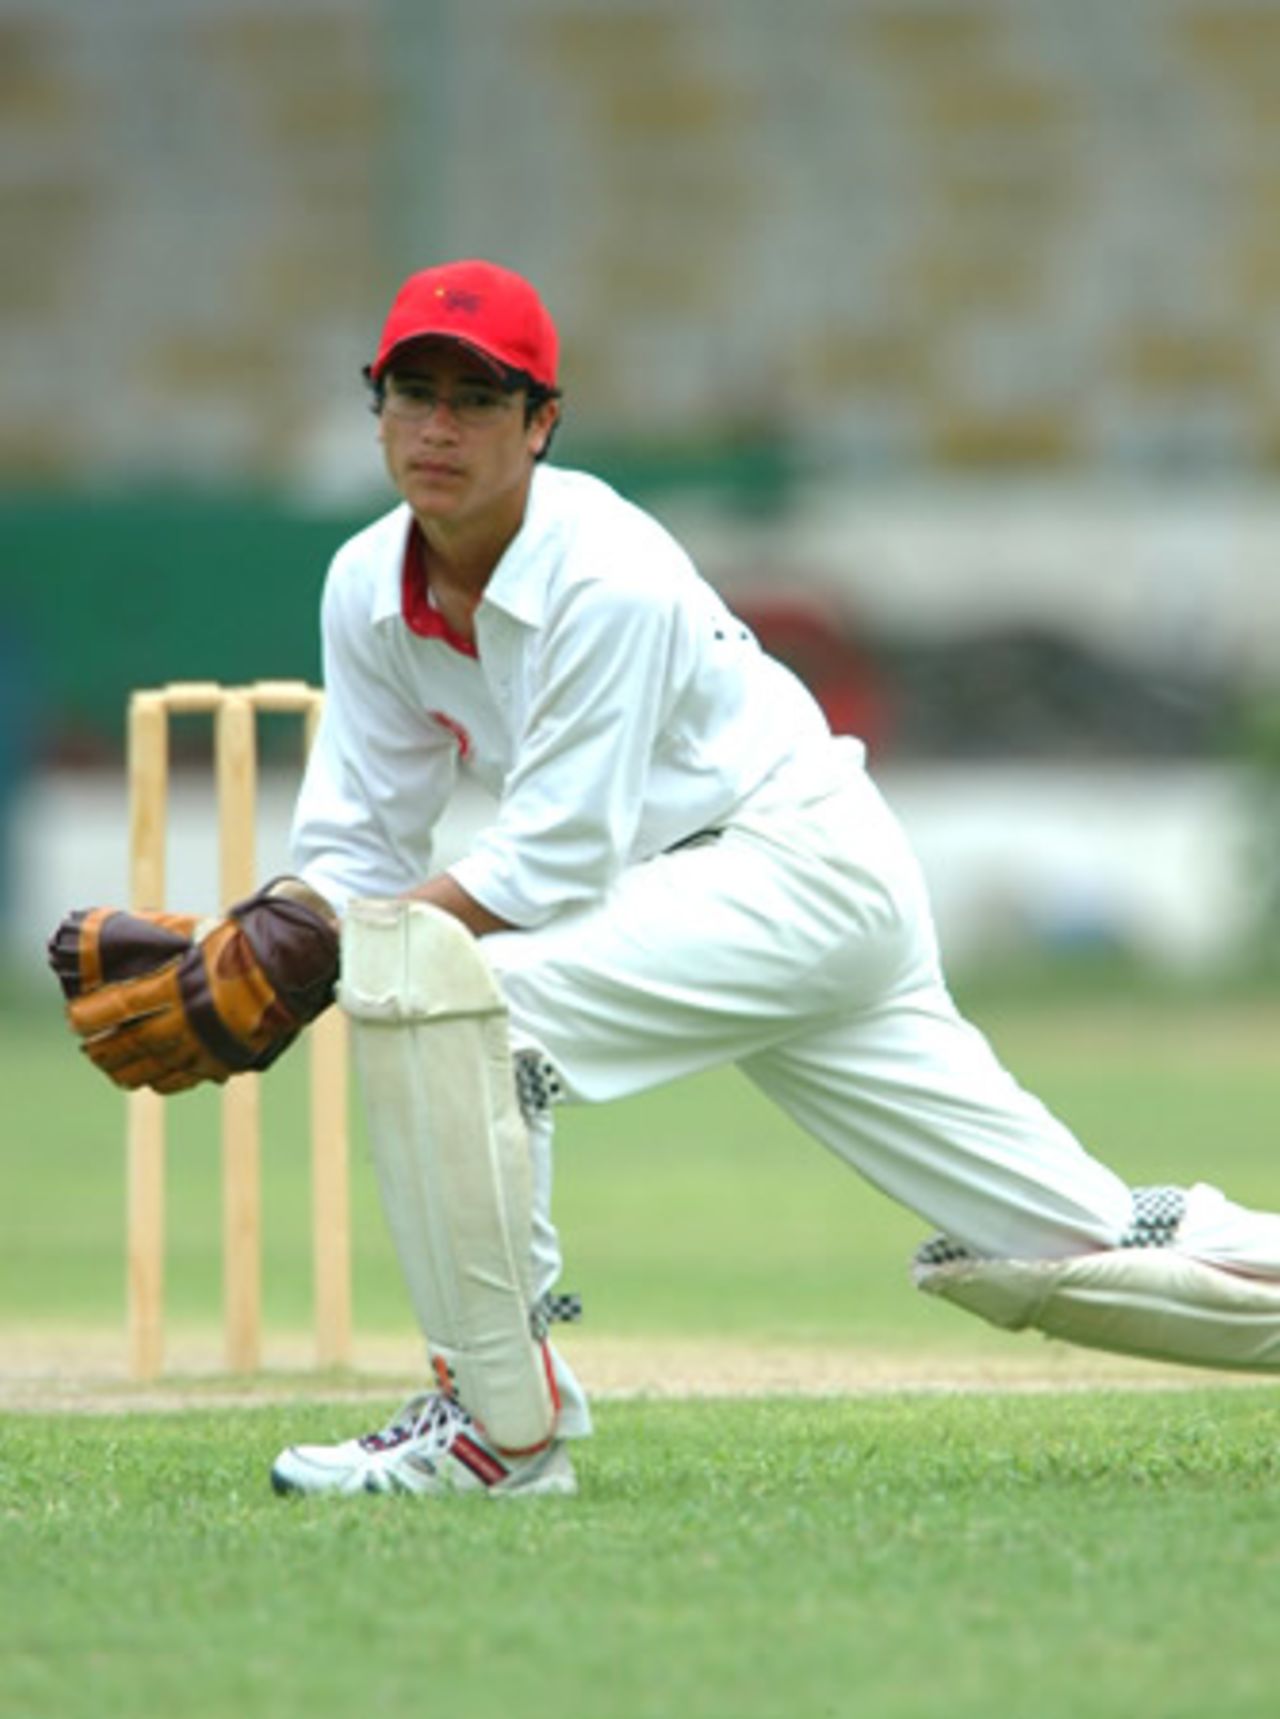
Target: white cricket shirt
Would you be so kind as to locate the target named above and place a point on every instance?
(611, 702)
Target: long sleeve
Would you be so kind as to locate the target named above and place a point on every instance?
(601, 687)
(380, 773)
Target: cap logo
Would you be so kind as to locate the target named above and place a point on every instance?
(456, 298)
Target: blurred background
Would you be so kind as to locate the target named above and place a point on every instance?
(946, 333)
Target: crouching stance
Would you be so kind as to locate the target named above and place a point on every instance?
(685, 870)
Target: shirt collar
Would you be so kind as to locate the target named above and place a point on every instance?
(519, 583)
(389, 567)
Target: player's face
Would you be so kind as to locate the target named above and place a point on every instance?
(457, 445)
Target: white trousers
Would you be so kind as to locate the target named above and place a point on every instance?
(799, 945)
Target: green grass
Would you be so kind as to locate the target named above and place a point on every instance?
(697, 1209)
(1115, 1555)
(1110, 1553)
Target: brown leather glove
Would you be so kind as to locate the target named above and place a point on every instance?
(233, 999)
(99, 945)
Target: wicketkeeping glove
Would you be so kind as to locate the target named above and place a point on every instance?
(99, 945)
(180, 1002)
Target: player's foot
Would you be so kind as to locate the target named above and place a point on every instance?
(432, 1446)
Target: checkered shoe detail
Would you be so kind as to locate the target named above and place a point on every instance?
(549, 1310)
(1157, 1212)
(431, 1447)
(538, 1084)
(941, 1250)
(427, 1415)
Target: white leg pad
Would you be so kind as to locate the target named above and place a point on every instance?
(429, 1033)
(1157, 1303)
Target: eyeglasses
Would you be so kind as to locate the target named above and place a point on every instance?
(415, 400)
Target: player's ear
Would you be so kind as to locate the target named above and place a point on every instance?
(541, 424)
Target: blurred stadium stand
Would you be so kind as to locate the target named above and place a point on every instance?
(934, 234)
(947, 332)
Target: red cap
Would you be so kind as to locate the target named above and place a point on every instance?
(491, 310)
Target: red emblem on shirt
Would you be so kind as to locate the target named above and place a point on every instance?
(458, 732)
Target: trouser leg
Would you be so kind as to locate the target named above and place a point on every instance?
(1037, 1233)
(913, 1097)
(802, 949)
(1217, 1231)
(575, 1413)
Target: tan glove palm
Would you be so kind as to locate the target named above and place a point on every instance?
(215, 999)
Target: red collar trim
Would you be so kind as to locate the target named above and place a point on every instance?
(420, 614)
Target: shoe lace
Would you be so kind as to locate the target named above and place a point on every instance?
(429, 1415)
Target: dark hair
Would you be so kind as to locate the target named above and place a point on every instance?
(537, 395)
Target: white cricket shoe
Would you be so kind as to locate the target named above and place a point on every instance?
(432, 1446)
